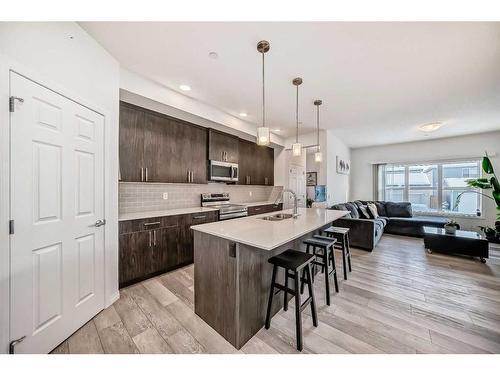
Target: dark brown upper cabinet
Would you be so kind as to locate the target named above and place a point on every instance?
(222, 146)
(131, 150)
(256, 164)
(158, 148)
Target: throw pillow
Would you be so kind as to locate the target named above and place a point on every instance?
(363, 211)
(398, 209)
(373, 210)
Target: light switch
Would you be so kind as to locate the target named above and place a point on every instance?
(250, 193)
(165, 196)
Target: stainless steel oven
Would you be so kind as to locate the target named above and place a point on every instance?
(222, 171)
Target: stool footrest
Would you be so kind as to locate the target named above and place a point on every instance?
(283, 288)
(306, 302)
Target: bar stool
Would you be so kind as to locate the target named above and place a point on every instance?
(324, 256)
(294, 261)
(341, 234)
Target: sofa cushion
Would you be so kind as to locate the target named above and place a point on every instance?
(383, 220)
(381, 208)
(341, 207)
(419, 221)
(353, 209)
(398, 209)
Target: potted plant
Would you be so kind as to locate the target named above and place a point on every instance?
(309, 202)
(451, 227)
(492, 184)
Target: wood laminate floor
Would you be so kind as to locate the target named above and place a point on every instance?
(397, 299)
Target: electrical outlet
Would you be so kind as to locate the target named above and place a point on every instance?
(165, 196)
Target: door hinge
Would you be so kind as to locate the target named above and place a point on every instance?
(11, 226)
(13, 343)
(12, 101)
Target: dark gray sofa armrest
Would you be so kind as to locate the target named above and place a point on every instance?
(362, 232)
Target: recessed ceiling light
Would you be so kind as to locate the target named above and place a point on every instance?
(213, 55)
(243, 114)
(433, 126)
(185, 88)
(277, 130)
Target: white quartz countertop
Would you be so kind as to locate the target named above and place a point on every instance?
(253, 204)
(160, 213)
(267, 235)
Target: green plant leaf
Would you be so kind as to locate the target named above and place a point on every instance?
(496, 196)
(476, 183)
(487, 166)
(495, 184)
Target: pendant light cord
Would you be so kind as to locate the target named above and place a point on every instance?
(297, 116)
(317, 126)
(263, 93)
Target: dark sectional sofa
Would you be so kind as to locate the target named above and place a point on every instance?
(394, 218)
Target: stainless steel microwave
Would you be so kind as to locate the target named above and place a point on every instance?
(222, 171)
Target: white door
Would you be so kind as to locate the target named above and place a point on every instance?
(297, 182)
(57, 195)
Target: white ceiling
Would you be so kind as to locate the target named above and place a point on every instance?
(378, 81)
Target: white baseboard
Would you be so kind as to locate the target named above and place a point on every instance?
(115, 297)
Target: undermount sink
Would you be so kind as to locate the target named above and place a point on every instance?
(277, 217)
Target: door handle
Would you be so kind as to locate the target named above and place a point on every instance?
(154, 223)
(99, 223)
(13, 343)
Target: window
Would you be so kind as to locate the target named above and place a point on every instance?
(431, 187)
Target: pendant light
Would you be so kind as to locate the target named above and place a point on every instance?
(263, 133)
(318, 156)
(297, 147)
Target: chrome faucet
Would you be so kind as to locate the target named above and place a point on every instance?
(295, 200)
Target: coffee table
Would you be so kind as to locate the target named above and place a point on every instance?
(463, 242)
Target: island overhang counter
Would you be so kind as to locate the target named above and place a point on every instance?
(232, 276)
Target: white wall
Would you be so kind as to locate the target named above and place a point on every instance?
(81, 69)
(331, 146)
(180, 105)
(362, 160)
(338, 184)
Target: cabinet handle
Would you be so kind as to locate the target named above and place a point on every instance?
(149, 238)
(155, 223)
(189, 176)
(192, 176)
(146, 174)
(142, 174)
(258, 208)
(200, 217)
(154, 237)
(266, 181)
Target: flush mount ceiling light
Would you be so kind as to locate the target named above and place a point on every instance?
(318, 156)
(263, 134)
(432, 127)
(297, 147)
(185, 87)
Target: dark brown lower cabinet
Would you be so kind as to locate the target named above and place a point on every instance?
(133, 250)
(262, 209)
(153, 246)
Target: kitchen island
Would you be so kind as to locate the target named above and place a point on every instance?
(232, 275)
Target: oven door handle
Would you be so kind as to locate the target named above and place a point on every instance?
(233, 215)
(234, 173)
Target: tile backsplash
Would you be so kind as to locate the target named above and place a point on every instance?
(137, 196)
